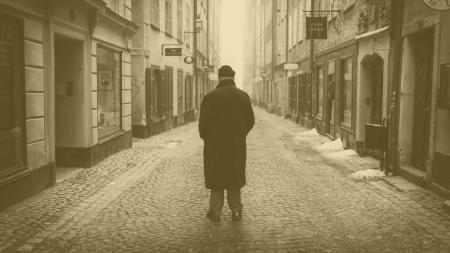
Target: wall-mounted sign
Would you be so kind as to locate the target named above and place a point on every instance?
(316, 28)
(290, 66)
(188, 59)
(439, 5)
(173, 51)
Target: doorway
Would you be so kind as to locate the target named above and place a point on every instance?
(423, 44)
(69, 105)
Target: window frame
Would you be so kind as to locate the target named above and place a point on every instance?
(20, 100)
(343, 89)
(154, 13)
(168, 9)
(120, 129)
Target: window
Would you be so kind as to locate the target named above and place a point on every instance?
(188, 23)
(12, 120)
(320, 90)
(180, 20)
(168, 9)
(347, 91)
(188, 93)
(154, 17)
(108, 91)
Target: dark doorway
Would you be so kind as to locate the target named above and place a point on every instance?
(423, 48)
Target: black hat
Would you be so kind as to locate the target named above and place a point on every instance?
(226, 71)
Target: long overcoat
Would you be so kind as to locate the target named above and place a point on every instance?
(226, 117)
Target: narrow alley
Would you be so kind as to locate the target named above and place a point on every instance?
(151, 198)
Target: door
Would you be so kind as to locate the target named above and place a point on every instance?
(180, 96)
(377, 91)
(422, 103)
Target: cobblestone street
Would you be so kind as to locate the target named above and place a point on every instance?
(151, 198)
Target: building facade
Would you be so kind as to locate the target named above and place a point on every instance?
(423, 146)
(162, 85)
(383, 62)
(57, 112)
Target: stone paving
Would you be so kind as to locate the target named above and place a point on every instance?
(151, 198)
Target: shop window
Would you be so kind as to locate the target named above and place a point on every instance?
(347, 79)
(154, 14)
(320, 91)
(108, 91)
(12, 120)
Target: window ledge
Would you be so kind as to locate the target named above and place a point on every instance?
(110, 136)
(155, 27)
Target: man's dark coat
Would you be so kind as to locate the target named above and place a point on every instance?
(226, 117)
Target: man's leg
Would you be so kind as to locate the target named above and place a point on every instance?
(215, 204)
(235, 203)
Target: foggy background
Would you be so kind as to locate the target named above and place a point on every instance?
(232, 40)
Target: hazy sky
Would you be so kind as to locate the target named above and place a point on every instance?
(232, 36)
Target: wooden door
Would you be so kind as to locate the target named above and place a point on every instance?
(423, 79)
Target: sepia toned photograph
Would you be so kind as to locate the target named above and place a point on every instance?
(224, 126)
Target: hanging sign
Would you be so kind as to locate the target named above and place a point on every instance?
(173, 51)
(290, 66)
(316, 28)
(439, 5)
(188, 59)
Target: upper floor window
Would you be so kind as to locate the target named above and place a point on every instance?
(168, 11)
(154, 15)
(180, 19)
(188, 23)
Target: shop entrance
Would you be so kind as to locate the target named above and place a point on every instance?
(373, 86)
(69, 101)
(423, 44)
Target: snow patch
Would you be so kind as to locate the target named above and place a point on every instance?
(342, 155)
(367, 174)
(172, 144)
(312, 132)
(335, 145)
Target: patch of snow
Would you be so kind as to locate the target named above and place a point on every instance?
(171, 144)
(335, 145)
(367, 174)
(312, 132)
(342, 155)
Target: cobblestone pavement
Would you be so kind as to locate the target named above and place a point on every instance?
(151, 198)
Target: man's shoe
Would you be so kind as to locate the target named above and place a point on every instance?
(236, 216)
(210, 215)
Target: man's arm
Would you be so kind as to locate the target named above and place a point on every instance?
(250, 115)
(205, 118)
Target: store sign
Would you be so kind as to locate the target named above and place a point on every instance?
(439, 5)
(173, 51)
(290, 66)
(316, 28)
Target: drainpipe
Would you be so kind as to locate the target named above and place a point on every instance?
(395, 58)
(312, 67)
(194, 72)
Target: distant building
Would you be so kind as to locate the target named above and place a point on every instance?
(162, 85)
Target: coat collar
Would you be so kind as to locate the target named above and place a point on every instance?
(226, 83)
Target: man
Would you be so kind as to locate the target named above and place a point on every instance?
(226, 117)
